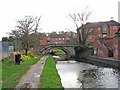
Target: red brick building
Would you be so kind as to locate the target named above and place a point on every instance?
(53, 39)
(56, 39)
(43, 40)
(107, 47)
(101, 29)
(116, 44)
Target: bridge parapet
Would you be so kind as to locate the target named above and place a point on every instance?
(63, 45)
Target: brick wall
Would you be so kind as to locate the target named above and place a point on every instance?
(101, 47)
(112, 30)
(97, 32)
(58, 40)
(102, 51)
(43, 41)
(116, 49)
(119, 48)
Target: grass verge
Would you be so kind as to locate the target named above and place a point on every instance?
(11, 73)
(0, 75)
(59, 52)
(50, 78)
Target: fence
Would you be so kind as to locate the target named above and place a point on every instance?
(6, 48)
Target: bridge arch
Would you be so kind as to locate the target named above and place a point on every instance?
(46, 50)
(67, 48)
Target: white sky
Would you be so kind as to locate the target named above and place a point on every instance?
(55, 13)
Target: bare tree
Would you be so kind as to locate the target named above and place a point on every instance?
(79, 20)
(26, 30)
(72, 36)
(118, 33)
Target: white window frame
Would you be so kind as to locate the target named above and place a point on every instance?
(115, 28)
(59, 38)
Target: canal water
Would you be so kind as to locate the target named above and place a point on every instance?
(75, 74)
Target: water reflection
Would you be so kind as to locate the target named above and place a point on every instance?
(81, 75)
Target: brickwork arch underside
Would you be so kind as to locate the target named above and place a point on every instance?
(46, 50)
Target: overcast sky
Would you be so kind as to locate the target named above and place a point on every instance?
(55, 13)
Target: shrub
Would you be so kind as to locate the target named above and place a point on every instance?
(31, 55)
(24, 57)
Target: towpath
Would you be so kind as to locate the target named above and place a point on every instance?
(32, 78)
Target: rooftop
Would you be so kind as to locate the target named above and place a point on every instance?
(57, 36)
(100, 24)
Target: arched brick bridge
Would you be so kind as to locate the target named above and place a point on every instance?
(67, 48)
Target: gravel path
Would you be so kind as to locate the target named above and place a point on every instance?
(32, 78)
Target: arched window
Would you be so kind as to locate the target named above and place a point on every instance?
(105, 29)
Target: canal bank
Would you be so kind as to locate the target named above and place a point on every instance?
(106, 62)
(50, 78)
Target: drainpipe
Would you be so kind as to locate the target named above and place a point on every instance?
(14, 46)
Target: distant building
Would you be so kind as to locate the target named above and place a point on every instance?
(53, 39)
(101, 29)
(56, 39)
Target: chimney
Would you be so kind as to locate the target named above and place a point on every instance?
(111, 18)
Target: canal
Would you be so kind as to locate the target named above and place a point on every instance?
(75, 74)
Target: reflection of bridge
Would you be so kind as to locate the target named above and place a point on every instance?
(67, 48)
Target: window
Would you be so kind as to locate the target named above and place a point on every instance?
(59, 38)
(90, 36)
(99, 29)
(115, 28)
(56, 42)
(91, 30)
(105, 29)
(48, 39)
(99, 35)
(104, 35)
(95, 51)
(52, 38)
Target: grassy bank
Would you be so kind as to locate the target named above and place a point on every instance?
(0, 75)
(11, 73)
(50, 78)
(59, 52)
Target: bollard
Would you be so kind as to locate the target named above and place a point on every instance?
(17, 59)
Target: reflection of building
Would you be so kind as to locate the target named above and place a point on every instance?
(56, 39)
(101, 29)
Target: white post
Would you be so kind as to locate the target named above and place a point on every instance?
(119, 11)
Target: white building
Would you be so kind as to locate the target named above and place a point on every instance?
(6, 48)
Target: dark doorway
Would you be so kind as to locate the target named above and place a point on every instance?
(110, 53)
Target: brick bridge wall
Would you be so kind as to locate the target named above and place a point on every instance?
(68, 50)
